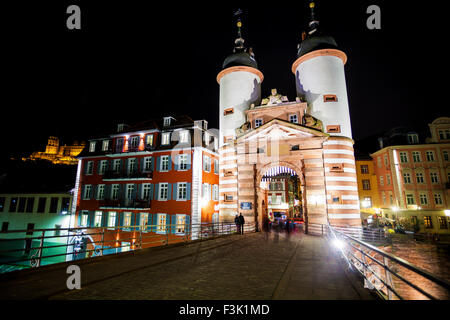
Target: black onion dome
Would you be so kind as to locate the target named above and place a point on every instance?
(316, 42)
(239, 59)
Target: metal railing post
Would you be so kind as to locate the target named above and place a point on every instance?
(103, 239)
(388, 279)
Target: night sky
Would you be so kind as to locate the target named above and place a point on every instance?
(133, 61)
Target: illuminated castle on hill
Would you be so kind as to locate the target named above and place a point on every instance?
(58, 154)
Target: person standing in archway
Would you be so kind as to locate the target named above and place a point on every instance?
(241, 223)
(237, 223)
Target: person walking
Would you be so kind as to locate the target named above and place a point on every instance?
(241, 223)
(237, 222)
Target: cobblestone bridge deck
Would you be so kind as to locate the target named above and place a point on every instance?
(252, 266)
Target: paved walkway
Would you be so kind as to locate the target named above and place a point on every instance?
(254, 266)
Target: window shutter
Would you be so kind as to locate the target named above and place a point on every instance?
(151, 192)
(175, 191)
(83, 191)
(139, 191)
(188, 191)
(158, 165)
(169, 191)
(189, 161)
(107, 191)
(117, 218)
(156, 195)
(141, 164)
(155, 222)
(149, 222)
(153, 163)
(170, 163)
(120, 165)
(210, 191)
(134, 193)
(85, 166)
(188, 224)
(94, 191)
(176, 164)
(122, 215)
(91, 219)
(174, 222)
(105, 219)
(123, 191)
(135, 218)
(80, 213)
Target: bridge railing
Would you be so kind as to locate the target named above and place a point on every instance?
(33, 248)
(392, 277)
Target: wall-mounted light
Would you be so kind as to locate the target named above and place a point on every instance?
(447, 213)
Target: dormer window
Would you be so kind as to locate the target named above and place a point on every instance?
(105, 145)
(184, 136)
(149, 140)
(330, 98)
(167, 121)
(258, 123)
(165, 138)
(92, 146)
(413, 138)
(134, 143)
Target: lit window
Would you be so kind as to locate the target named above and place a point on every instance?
(105, 145)
(164, 163)
(293, 118)
(165, 138)
(143, 221)
(149, 140)
(167, 121)
(180, 223)
(84, 219)
(381, 181)
(430, 156)
(162, 222)
(442, 222)
(127, 219)
(258, 123)
(163, 191)
(379, 162)
(98, 219)
(112, 219)
(182, 191)
(92, 146)
(385, 157)
(388, 179)
(184, 136)
(428, 222)
(206, 192)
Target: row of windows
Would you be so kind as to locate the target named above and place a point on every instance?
(134, 142)
(444, 134)
(163, 164)
(423, 199)
(420, 179)
(292, 118)
(161, 191)
(417, 156)
(27, 204)
(143, 221)
(428, 222)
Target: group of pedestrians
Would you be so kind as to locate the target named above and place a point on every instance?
(239, 221)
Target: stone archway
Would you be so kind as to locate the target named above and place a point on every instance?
(261, 212)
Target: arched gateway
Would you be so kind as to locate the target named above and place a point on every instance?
(310, 136)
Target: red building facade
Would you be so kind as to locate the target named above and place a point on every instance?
(158, 176)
